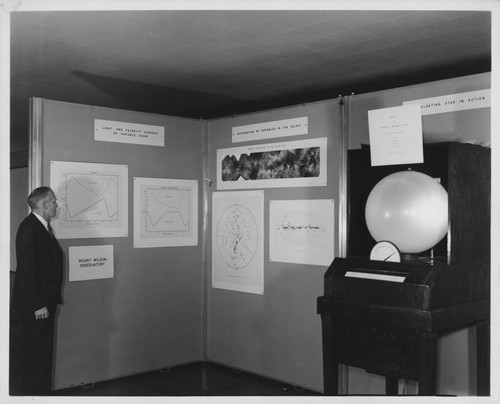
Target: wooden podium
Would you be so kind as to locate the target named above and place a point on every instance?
(391, 328)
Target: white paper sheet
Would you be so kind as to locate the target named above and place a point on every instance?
(92, 198)
(302, 231)
(453, 102)
(268, 130)
(238, 241)
(396, 135)
(90, 262)
(165, 212)
(127, 132)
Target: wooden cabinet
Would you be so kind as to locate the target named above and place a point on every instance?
(391, 328)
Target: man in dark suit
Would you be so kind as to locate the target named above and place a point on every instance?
(37, 289)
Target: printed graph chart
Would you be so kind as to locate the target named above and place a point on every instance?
(92, 198)
(301, 227)
(165, 212)
(302, 231)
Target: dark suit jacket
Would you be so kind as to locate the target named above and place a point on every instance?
(39, 272)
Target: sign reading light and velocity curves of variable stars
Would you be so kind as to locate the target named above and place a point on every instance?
(92, 199)
(126, 132)
(165, 212)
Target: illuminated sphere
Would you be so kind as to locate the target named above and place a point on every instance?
(409, 209)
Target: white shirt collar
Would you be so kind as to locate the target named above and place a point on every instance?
(44, 222)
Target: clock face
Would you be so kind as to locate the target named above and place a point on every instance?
(385, 251)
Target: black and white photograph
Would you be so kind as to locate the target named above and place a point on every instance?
(215, 201)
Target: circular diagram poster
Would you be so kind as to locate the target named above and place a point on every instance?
(237, 241)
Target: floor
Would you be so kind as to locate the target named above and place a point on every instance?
(197, 379)
(191, 380)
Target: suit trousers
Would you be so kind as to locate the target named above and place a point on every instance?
(37, 353)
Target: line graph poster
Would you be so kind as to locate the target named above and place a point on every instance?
(165, 212)
(238, 241)
(302, 231)
(92, 198)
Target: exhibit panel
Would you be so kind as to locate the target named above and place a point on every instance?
(18, 206)
(126, 309)
(457, 111)
(293, 156)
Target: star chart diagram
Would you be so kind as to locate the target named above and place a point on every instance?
(92, 199)
(165, 212)
(237, 241)
(237, 236)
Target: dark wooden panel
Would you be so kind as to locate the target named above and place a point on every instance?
(382, 350)
(483, 358)
(425, 286)
(469, 198)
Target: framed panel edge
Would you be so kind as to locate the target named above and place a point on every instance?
(342, 209)
(35, 143)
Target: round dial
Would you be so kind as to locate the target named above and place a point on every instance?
(385, 251)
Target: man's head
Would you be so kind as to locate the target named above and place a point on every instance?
(43, 201)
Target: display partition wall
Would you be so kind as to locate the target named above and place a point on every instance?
(277, 332)
(447, 123)
(146, 314)
(271, 194)
(159, 308)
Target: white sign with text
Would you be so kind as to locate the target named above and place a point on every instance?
(396, 135)
(126, 132)
(454, 102)
(268, 130)
(90, 262)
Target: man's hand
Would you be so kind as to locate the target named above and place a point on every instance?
(42, 313)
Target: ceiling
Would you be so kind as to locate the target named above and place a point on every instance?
(212, 64)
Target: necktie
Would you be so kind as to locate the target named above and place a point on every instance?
(49, 228)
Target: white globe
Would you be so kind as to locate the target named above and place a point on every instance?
(409, 209)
